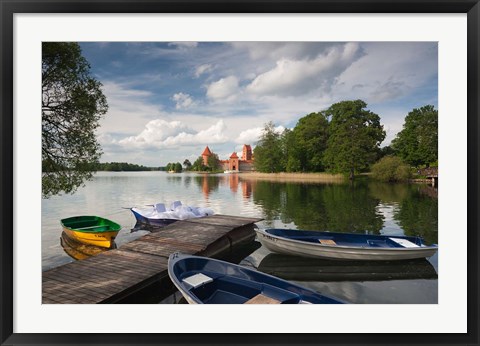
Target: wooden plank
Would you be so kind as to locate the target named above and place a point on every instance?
(327, 242)
(83, 285)
(225, 220)
(262, 299)
(115, 273)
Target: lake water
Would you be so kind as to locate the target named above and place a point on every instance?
(365, 206)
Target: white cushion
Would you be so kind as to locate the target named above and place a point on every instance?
(197, 280)
(404, 242)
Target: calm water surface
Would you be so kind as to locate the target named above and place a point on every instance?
(364, 207)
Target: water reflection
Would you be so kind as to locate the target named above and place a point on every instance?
(418, 215)
(77, 250)
(208, 183)
(298, 268)
(365, 206)
(379, 292)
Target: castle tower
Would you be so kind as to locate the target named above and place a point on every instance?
(233, 163)
(247, 152)
(205, 155)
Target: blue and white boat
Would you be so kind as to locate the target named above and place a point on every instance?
(203, 280)
(345, 246)
(159, 215)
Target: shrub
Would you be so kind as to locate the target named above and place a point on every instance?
(391, 169)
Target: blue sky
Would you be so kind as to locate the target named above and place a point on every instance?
(168, 100)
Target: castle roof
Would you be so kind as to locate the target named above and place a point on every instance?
(207, 151)
(234, 155)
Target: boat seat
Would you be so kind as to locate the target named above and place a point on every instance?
(175, 205)
(90, 227)
(197, 280)
(262, 299)
(160, 207)
(327, 242)
(403, 242)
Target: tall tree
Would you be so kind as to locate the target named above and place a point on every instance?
(187, 164)
(269, 156)
(355, 137)
(177, 167)
(311, 134)
(72, 105)
(417, 143)
(213, 162)
(291, 151)
(198, 165)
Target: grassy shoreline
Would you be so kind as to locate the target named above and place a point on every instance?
(311, 177)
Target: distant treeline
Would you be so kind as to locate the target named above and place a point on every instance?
(346, 138)
(124, 167)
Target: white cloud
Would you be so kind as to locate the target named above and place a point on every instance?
(225, 89)
(249, 136)
(248, 84)
(120, 91)
(182, 100)
(128, 108)
(252, 135)
(297, 77)
(202, 69)
(278, 50)
(163, 134)
(389, 71)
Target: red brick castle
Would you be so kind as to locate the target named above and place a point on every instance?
(234, 163)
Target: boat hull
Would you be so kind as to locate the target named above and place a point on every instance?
(91, 230)
(295, 247)
(78, 250)
(104, 239)
(151, 221)
(204, 280)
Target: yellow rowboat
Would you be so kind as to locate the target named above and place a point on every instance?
(77, 250)
(92, 230)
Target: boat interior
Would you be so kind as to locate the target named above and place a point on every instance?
(88, 225)
(347, 239)
(222, 289)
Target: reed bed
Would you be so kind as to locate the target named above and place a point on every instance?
(295, 177)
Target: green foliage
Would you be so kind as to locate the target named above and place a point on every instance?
(198, 165)
(418, 215)
(417, 143)
(292, 151)
(121, 167)
(391, 169)
(213, 162)
(385, 151)
(308, 143)
(72, 105)
(323, 207)
(269, 155)
(173, 167)
(355, 137)
(187, 164)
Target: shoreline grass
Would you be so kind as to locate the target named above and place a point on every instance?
(298, 177)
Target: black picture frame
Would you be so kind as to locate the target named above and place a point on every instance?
(9, 7)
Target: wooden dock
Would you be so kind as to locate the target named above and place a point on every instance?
(114, 275)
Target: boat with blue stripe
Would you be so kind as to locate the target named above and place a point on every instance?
(158, 215)
(203, 280)
(344, 246)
